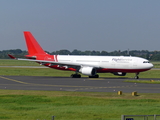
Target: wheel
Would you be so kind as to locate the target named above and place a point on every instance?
(75, 76)
(136, 77)
(97, 76)
(72, 75)
(78, 76)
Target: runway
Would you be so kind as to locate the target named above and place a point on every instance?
(75, 84)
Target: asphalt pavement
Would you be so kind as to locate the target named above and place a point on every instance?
(76, 84)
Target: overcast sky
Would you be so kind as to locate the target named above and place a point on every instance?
(81, 24)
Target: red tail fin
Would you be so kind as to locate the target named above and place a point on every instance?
(32, 45)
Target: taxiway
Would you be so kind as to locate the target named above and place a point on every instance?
(75, 84)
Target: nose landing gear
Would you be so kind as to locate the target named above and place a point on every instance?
(137, 77)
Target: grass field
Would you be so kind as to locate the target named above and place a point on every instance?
(58, 73)
(156, 64)
(34, 105)
(10, 62)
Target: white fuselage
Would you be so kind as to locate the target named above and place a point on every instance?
(109, 62)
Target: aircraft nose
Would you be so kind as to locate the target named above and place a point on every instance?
(151, 65)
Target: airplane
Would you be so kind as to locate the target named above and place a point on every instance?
(86, 65)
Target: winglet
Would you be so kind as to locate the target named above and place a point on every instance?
(11, 56)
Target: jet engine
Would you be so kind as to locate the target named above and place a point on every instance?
(90, 71)
(119, 73)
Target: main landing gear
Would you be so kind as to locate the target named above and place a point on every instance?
(136, 77)
(79, 76)
(76, 75)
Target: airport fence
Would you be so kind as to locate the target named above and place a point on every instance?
(140, 117)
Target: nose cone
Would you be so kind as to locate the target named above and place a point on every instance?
(150, 65)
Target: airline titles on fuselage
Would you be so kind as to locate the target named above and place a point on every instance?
(122, 60)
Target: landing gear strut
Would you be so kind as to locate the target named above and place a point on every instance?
(136, 77)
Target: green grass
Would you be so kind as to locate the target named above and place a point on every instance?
(156, 64)
(60, 73)
(10, 62)
(33, 105)
(33, 72)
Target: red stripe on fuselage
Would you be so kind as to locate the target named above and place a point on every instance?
(105, 70)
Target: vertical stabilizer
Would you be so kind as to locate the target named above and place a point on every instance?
(32, 45)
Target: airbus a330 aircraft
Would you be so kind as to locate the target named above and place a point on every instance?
(87, 65)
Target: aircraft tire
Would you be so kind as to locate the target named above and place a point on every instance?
(136, 77)
(75, 76)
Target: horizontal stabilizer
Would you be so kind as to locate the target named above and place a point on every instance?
(11, 56)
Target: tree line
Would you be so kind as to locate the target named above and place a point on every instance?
(150, 55)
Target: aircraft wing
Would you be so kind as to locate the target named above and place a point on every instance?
(55, 63)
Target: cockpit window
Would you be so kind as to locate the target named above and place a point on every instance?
(146, 62)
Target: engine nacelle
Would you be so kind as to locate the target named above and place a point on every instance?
(90, 71)
(119, 73)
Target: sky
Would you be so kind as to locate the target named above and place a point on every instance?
(100, 25)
